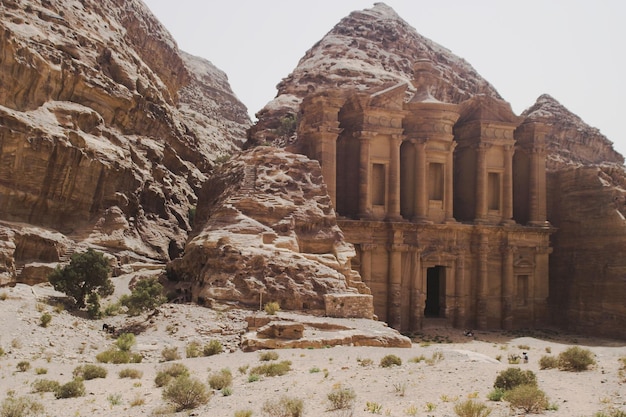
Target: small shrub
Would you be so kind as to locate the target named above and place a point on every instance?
(435, 358)
(314, 370)
(220, 380)
(45, 319)
(137, 401)
(41, 371)
(528, 398)
(186, 393)
(400, 388)
(268, 356)
(514, 358)
(548, 362)
(523, 347)
(390, 360)
(243, 369)
(93, 306)
(283, 407)
(118, 356)
(272, 308)
(125, 342)
(243, 413)
(72, 389)
(23, 366)
(611, 412)
(173, 371)
(272, 369)
(45, 385)
(214, 347)
(253, 377)
(471, 408)
(20, 407)
(3, 295)
(170, 354)
(88, 372)
(496, 394)
(575, 359)
(193, 349)
(417, 359)
(130, 373)
(2, 352)
(227, 391)
(365, 362)
(114, 399)
(373, 407)
(512, 377)
(341, 398)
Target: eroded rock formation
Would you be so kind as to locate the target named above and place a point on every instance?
(107, 130)
(267, 231)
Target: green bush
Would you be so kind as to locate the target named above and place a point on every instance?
(130, 373)
(146, 295)
(341, 398)
(125, 341)
(93, 306)
(186, 393)
(20, 407)
(170, 354)
(512, 377)
(471, 408)
(214, 347)
(272, 308)
(575, 359)
(548, 362)
(221, 379)
(45, 319)
(72, 389)
(243, 413)
(45, 385)
(272, 369)
(496, 394)
(193, 350)
(88, 372)
(170, 373)
(284, 407)
(268, 356)
(86, 273)
(118, 356)
(390, 360)
(611, 412)
(528, 398)
(23, 366)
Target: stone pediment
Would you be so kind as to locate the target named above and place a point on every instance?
(391, 98)
(483, 108)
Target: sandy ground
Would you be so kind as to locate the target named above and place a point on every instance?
(468, 367)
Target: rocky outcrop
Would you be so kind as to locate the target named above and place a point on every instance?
(367, 50)
(569, 140)
(588, 266)
(107, 130)
(267, 232)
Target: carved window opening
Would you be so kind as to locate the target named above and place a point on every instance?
(493, 191)
(378, 184)
(435, 181)
(522, 290)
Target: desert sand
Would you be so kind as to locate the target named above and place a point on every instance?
(467, 368)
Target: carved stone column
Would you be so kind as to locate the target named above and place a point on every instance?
(507, 287)
(481, 182)
(507, 186)
(417, 294)
(483, 282)
(366, 262)
(394, 309)
(394, 179)
(460, 289)
(421, 191)
(537, 182)
(365, 202)
(448, 198)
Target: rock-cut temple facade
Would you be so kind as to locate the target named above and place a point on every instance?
(444, 203)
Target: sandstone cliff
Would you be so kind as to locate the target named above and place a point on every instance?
(369, 49)
(107, 131)
(569, 140)
(267, 231)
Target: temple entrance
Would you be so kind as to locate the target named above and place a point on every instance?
(435, 292)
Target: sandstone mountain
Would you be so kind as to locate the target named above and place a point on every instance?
(369, 49)
(107, 132)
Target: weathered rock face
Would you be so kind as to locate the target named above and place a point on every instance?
(569, 140)
(366, 51)
(267, 232)
(107, 130)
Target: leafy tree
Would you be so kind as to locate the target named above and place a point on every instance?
(147, 295)
(86, 273)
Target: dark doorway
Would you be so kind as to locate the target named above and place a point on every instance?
(434, 291)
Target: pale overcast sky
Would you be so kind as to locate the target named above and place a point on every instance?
(573, 50)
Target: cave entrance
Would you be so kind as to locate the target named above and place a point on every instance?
(435, 292)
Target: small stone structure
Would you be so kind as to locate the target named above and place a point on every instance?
(349, 305)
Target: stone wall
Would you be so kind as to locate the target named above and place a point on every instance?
(349, 305)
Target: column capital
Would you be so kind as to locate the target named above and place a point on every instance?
(398, 247)
(368, 246)
(483, 146)
(364, 134)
